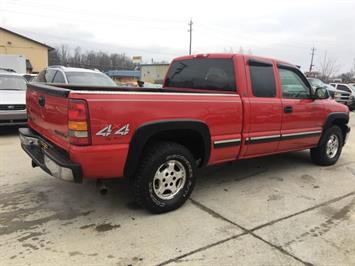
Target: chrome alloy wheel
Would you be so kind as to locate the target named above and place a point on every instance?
(169, 179)
(332, 146)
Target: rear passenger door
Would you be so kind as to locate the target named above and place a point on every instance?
(302, 116)
(265, 112)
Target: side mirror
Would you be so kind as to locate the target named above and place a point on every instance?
(321, 93)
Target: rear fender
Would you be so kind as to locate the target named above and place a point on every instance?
(146, 132)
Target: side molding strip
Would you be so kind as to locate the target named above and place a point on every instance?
(264, 139)
(226, 143)
(301, 135)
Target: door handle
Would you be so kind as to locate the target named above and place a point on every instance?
(288, 109)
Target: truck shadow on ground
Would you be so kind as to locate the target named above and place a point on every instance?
(248, 168)
(9, 130)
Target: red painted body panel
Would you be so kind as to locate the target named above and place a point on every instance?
(223, 114)
(230, 115)
(52, 121)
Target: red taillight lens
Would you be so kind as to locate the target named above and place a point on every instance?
(78, 122)
(77, 110)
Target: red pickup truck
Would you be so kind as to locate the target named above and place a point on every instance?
(213, 108)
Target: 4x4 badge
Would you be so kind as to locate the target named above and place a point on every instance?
(107, 131)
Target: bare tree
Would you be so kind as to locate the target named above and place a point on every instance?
(328, 68)
(91, 59)
(53, 57)
(64, 54)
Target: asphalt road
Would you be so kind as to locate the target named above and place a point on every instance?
(278, 210)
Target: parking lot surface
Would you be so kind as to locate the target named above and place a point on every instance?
(278, 210)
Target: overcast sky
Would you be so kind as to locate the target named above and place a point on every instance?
(157, 29)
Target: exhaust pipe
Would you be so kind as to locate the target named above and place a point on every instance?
(101, 187)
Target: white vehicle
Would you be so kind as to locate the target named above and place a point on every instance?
(12, 99)
(338, 95)
(74, 76)
(347, 88)
(17, 63)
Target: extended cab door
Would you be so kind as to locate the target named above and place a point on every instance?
(302, 116)
(263, 109)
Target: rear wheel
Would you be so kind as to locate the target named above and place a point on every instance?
(330, 147)
(165, 178)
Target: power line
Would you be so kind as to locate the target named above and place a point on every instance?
(190, 30)
(312, 56)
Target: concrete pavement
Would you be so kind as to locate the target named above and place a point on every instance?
(278, 210)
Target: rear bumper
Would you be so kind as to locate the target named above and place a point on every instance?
(48, 157)
(16, 117)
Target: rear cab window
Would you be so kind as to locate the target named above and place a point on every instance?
(202, 73)
(89, 79)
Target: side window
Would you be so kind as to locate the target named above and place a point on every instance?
(59, 77)
(49, 75)
(343, 88)
(262, 80)
(205, 73)
(46, 75)
(41, 76)
(292, 85)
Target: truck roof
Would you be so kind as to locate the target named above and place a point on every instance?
(74, 69)
(230, 55)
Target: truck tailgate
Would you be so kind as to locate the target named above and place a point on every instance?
(47, 109)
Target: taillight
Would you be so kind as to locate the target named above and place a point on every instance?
(78, 122)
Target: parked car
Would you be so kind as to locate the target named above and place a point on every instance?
(317, 83)
(338, 95)
(350, 90)
(213, 108)
(12, 99)
(74, 76)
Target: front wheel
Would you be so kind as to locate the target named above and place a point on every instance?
(165, 178)
(330, 147)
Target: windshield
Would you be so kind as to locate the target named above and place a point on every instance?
(12, 83)
(89, 78)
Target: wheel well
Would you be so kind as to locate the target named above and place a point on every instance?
(191, 139)
(193, 134)
(341, 123)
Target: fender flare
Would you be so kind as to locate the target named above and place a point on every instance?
(144, 132)
(335, 116)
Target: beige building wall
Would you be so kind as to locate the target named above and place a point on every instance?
(16, 45)
(154, 73)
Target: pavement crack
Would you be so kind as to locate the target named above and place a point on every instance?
(200, 249)
(303, 211)
(245, 231)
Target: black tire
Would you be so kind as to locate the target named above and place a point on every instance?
(155, 159)
(319, 154)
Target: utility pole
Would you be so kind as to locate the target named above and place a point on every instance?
(190, 30)
(312, 54)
